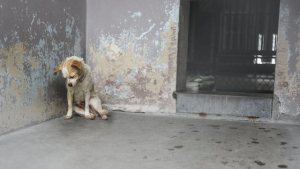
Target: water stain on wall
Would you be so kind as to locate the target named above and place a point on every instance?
(135, 68)
(287, 80)
(35, 37)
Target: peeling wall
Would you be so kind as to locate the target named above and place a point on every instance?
(132, 49)
(35, 36)
(287, 80)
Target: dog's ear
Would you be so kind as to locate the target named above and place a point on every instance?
(58, 68)
(77, 64)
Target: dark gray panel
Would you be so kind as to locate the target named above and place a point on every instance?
(184, 14)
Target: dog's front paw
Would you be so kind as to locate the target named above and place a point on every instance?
(90, 116)
(67, 117)
(104, 117)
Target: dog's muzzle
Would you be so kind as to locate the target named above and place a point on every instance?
(70, 85)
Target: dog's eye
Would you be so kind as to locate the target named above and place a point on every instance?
(72, 77)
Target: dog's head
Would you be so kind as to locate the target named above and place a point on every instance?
(71, 69)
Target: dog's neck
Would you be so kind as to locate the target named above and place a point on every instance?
(82, 76)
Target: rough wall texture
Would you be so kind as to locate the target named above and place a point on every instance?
(132, 49)
(35, 36)
(287, 80)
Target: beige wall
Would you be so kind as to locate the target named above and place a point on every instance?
(132, 48)
(287, 80)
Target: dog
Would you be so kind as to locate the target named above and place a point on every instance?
(81, 96)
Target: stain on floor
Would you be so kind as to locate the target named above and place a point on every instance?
(282, 166)
(260, 163)
(178, 147)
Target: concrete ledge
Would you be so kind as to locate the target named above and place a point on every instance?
(210, 104)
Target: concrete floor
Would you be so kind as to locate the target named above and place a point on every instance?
(138, 141)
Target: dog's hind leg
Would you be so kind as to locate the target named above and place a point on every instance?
(80, 112)
(95, 102)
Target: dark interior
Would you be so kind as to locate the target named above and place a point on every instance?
(232, 45)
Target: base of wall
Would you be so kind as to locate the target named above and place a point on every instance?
(138, 108)
(226, 118)
(229, 105)
(200, 116)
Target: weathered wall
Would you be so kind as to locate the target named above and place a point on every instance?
(35, 36)
(132, 49)
(287, 80)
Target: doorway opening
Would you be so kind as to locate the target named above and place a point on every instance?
(232, 46)
(229, 47)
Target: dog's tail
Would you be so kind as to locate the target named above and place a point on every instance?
(103, 114)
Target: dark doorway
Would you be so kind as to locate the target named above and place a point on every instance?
(232, 46)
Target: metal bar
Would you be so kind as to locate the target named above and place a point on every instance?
(221, 30)
(212, 41)
(250, 26)
(231, 33)
(261, 23)
(250, 32)
(238, 5)
(256, 25)
(224, 29)
(267, 27)
(243, 26)
(246, 25)
(253, 25)
(270, 32)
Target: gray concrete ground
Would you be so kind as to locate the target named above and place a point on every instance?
(138, 141)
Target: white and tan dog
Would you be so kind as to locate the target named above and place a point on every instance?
(80, 86)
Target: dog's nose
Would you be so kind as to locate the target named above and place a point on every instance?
(70, 85)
